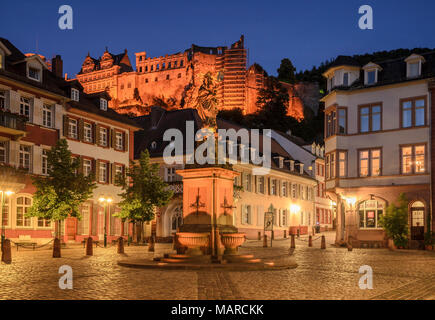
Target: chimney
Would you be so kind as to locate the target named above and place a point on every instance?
(57, 66)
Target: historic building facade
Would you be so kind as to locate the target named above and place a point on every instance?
(288, 187)
(377, 144)
(173, 81)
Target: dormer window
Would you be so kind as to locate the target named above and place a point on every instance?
(413, 66)
(153, 145)
(74, 94)
(371, 72)
(34, 74)
(103, 104)
(345, 79)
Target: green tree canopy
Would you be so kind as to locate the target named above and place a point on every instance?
(395, 221)
(60, 193)
(286, 71)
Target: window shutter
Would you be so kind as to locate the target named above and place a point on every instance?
(125, 141)
(279, 188)
(81, 129)
(268, 185)
(65, 125)
(112, 138)
(97, 134)
(255, 184)
(242, 176)
(111, 177)
(94, 133)
(97, 170)
(249, 215)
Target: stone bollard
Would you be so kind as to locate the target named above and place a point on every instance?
(285, 234)
(265, 241)
(120, 245)
(6, 252)
(310, 241)
(273, 235)
(293, 242)
(323, 244)
(89, 248)
(259, 235)
(349, 247)
(56, 248)
(151, 244)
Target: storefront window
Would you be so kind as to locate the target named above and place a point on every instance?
(370, 212)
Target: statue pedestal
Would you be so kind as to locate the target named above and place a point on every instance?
(207, 208)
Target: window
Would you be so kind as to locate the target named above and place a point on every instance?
(23, 206)
(44, 161)
(119, 141)
(371, 77)
(273, 189)
(72, 128)
(332, 164)
(103, 104)
(294, 186)
(370, 118)
(25, 157)
(346, 79)
(370, 162)
(153, 145)
(370, 212)
(246, 215)
(47, 115)
(177, 218)
(179, 75)
(146, 80)
(247, 183)
(260, 184)
(103, 137)
(140, 69)
(167, 77)
(87, 132)
(413, 159)
(44, 223)
(83, 223)
(413, 70)
(284, 189)
(119, 172)
(103, 172)
(156, 79)
(5, 212)
(181, 63)
(3, 104)
(3, 152)
(413, 112)
(342, 164)
(25, 106)
(87, 167)
(328, 167)
(34, 73)
(342, 121)
(74, 94)
(330, 123)
(170, 174)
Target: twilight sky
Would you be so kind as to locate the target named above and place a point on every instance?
(306, 31)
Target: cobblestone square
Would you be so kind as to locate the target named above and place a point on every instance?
(321, 274)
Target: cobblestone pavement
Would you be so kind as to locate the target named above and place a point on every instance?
(321, 274)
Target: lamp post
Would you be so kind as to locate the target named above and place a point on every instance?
(104, 201)
(3, 193)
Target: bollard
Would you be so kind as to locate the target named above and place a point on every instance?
(265, 241)
(299, 233)
(56, 248)
(310, 241)
(259, 235)
(323, 244)
(293, 241)
(349, 247)
(285, 234)
(120, 245)
(174, 242)
(6, 251)
(151, 244)
(89, 248)
(273, 235)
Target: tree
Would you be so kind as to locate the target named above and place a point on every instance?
(143, 192)
(395, 221)
(286, 71)
(60, 194)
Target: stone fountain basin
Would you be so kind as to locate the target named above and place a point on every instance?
(232, 240)
(193, 239)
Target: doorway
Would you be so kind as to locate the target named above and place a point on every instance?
(417, 221)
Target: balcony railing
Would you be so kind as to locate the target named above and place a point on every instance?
(176, 187)
(12, 123)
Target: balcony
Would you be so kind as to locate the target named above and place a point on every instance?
(12, 124)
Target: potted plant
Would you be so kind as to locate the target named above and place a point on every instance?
(428, 240)
(395, 222)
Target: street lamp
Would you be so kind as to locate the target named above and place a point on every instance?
(104, 201)
(3, 193)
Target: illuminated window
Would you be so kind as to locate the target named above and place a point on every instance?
(369, 162)
(23, 207)
(342, 164)
(413, 159)
(370, 212)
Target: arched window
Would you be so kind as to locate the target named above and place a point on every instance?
(177, 218)
(417, 220)
(370, 212)
(23, 206)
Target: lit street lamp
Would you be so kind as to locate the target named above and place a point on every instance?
(3, 193)
(104, 201)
